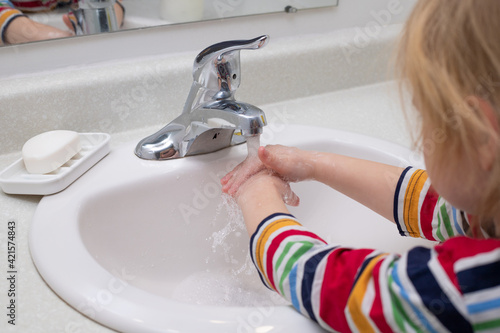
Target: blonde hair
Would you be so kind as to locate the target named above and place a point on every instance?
(450, 52)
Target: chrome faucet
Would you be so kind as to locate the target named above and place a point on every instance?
(95, 16)
(212, 119)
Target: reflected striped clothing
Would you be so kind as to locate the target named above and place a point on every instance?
(453, 287)
(7, 14)
(9, 10)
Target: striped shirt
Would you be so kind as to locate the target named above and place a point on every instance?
(9, 10)
(7, 14)
(33, 6)
(453, 287)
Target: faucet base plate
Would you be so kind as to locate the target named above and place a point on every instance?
(212, 140)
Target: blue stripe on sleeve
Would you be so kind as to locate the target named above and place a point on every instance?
(455, 222)
(484, 306)
(433, 297)
(396, 200)
(293, 288)
(479, 277)
(308, 279)
(410, 302)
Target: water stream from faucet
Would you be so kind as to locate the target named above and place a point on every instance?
(253, 144)
(236, 282)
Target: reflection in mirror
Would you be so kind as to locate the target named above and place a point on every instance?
(97, 16)
(21, 22)
(34, 20)
(160, 12)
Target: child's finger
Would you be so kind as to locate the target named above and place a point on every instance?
(224, 180)
(264, 156)
(272, 157)
(233, 188)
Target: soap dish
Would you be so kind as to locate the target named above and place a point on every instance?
(15, 179)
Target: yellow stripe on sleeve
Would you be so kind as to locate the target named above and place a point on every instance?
(264, 237)
(6, 14)
(355, 301)
(411, 203)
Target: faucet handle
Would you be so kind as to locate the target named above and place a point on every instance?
(217, 67)
(217, 50)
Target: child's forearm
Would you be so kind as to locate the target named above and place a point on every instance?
(259, 199)
(7, 15)
(370, 183)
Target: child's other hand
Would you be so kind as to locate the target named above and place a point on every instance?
(23, 29)
(234, 179)
(264, 186)
(261, 195)
(291, 163)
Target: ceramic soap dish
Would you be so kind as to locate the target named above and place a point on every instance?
(16, 180)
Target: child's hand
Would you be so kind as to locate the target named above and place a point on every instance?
(263, 183)
(23, 29)
(261, 195)
(233, 180)
(291, 163)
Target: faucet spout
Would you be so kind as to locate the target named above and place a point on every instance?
(248, 119)
(211, 119)
(209, 128)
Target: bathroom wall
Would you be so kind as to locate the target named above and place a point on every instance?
(118, 82)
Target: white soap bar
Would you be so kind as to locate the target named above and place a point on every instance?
(48, 151)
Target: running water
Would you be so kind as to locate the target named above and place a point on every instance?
(253, 144)
(230, 278)
(235, 222)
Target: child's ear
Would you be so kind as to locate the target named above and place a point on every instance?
(489, 140)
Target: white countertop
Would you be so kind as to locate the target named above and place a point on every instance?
(371, 109)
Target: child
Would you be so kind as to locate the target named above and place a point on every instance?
(449, 58)
(16, 27)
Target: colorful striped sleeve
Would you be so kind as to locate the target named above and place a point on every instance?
(454, 287)
(33, 6)
(420, 212)
(7, 14)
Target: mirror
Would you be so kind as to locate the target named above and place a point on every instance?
(180, 11)
(149, 13)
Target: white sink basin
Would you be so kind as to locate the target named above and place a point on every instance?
(147, 246)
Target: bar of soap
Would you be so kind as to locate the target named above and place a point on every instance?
(48, 151)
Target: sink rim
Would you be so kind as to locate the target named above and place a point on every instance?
(84, 284)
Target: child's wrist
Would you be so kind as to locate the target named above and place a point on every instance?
(7, 33)
(259, 199)
(316, 165)
(255, 187)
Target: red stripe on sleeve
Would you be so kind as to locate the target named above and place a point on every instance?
(462, 247)
(340, 274)
(427, 213)
(377, 310)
